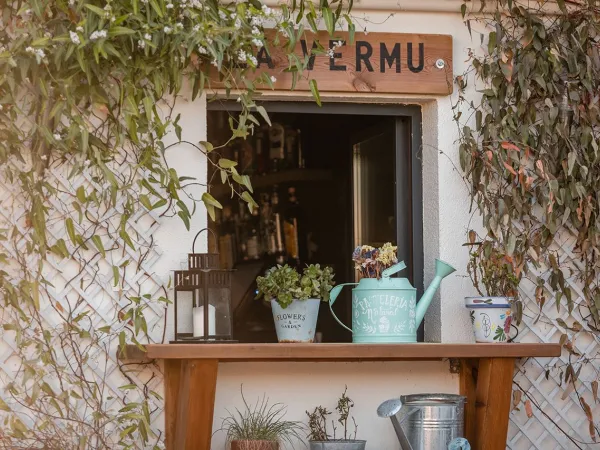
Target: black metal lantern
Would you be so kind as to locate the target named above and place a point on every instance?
(205, 291)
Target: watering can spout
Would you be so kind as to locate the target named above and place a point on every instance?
(442, 270)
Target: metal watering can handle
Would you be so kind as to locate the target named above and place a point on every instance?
(332, 296)
(393, 269)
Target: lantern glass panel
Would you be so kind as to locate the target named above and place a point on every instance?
(184, 312)
(219, 308)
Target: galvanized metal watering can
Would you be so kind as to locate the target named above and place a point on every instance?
(386, 310)
(427, 421)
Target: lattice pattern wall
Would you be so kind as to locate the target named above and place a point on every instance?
(80, 287)
(551, 401)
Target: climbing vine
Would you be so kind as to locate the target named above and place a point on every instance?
(88, 95)
(529, 152)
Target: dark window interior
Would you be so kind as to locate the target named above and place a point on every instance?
(354, 185)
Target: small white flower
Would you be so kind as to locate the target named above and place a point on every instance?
(141, 44)
(79, 29)
(238, 23)
(179, 25)
(28, 12)
(74, 38)
(107, 7)
(239, 99)
(44, 157)
(30, 50)
(196, 28)
(257, 42)
(330, 52)
(202, 50)
(253, 60)
(98, 35)
(87, 162)
(40, 53)
(71, 2)
(255, 30)
(222, 15)
(113, 19)
(148, 36)
(256, 21)
(242, 55)
(169, 5)
(167, 30)
(273, 79)
(215, 63)
(57, 137)
(266, 10)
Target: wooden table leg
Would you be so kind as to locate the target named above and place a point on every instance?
(190, 386)
(468, 386)
(492, 403)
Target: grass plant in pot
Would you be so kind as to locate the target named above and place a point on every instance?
(260, 427)
(295, 299)
(495, 275)
(324, 437)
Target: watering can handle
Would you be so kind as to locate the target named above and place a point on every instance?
(332, 296)
(393, 269)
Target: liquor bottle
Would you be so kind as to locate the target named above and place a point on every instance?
(290, 227)
(299, 155)
(276, 147)
(227, 243)
(275, 238)
(261, 158)
(266, 229)
(291, 150)
(252, 242)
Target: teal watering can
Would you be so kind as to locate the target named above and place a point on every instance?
(386, 310)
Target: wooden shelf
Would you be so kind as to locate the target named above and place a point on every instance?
(270, 179)
(340, 352)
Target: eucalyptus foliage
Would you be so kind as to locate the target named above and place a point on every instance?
(529, 151)
(88, 91)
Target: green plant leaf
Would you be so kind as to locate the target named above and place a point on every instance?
(315, 91)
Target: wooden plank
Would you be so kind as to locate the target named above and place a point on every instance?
(467, 386)
(374, 62)
(493, 399)
(347, 352)
(190, 387)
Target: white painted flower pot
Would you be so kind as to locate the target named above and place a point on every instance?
(297, 322)
(491, 318)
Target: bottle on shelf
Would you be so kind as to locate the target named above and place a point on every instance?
(227, 243)
(261, 158)
(275, 235)
(291, 148)
(291, 227)
(299, 154)
(276, 147)
(253, 243)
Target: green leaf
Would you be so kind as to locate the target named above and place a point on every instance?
(156, 8)
(145, 201)
(185, 218)
(3, 405)
(210, 200)
(71, 230)
(98, 243)
(227, 163)
(96, 10)
(328, 18)
(263, 112)
(208, 147)
(315, 91)
(119, 31)
(115, 270)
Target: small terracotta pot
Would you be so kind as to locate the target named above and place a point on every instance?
(254, 445)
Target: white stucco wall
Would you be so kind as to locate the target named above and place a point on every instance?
(304, 385)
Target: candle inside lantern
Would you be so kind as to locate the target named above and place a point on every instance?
(198, 320)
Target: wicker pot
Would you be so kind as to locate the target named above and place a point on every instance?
(254, 445)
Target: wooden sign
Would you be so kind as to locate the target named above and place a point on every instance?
(382, 63)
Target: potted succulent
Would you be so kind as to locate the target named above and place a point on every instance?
(495, 275)
(260, 427)
(320, 437)
(295, 299)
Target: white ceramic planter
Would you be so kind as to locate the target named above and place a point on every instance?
(297, 322)
(491, 318)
